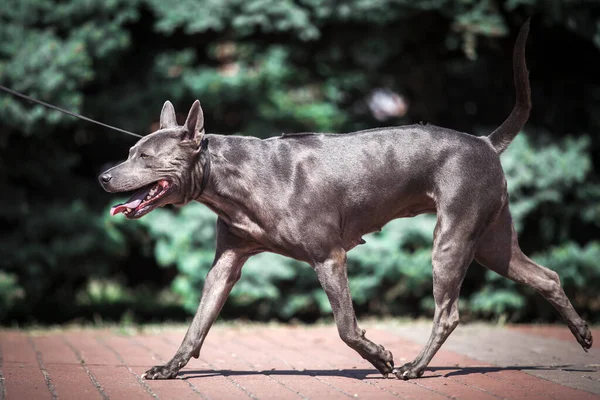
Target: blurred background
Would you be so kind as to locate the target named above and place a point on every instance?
(263, 67)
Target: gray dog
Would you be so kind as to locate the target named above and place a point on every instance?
(313, 196)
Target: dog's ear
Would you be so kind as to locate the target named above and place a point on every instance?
(193, 129)
(167, 116)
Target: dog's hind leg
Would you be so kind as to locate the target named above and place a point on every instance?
(453, 249)
(333, 277)
(225, 272)
(499, 251)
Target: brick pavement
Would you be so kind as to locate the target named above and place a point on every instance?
(275, 362)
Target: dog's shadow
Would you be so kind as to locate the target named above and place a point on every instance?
(433, 372)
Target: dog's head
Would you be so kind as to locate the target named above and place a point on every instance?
(162, 167)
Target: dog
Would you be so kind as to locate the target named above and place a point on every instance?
(313, 196)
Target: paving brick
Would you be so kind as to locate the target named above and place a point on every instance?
(24, 381)
(55, 350)
(22, 373)
(75, 352)
(268, 364)
(303, 354)
(452, 388)
(559, 361)
(271, 356)
(209, 384)
(256, 362)
(90, 350)
(72, 382)
(442, 365)
(123, 347)
(359, 388)
(140, 360)
(15, 347)
(408, 389)
(328, 341)
(115, 379)
(541, 386)
(118, 383)
(318, 366)
(341, 374)
(444, 360)
(323, 342)
(173, 389)
(494, 386)
(560, 332)
(261, 385)
(340, 371)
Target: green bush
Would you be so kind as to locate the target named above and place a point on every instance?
(10, 292)
(260, 68)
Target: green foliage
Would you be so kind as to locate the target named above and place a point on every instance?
(44, 245)
(576, 265)
(57, 240)
(10, 292)
(496, 302)
(47, 50)
(186, 239)
(545, 178)
(268, 75)
(260, 68)
(394, 265)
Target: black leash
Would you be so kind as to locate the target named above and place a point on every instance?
(62, 110)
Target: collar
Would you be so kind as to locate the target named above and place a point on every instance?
(205, 161)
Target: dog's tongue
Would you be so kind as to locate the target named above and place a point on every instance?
(133, 202)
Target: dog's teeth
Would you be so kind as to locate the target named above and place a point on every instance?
(129, 210)
(151, 193)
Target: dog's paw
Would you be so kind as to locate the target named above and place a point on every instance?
(167, 371)
(583, 336)
(385, 362)
(408, 371)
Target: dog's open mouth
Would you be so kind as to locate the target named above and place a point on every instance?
(143, 200)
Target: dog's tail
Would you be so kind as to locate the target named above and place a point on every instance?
(506, 132)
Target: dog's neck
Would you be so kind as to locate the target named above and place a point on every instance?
(228, 187)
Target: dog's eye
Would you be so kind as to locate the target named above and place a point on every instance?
(144, 155)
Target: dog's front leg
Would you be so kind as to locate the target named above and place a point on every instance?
(225, 272)
(333, 277)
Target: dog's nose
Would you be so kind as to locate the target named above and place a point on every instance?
(105, 178)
